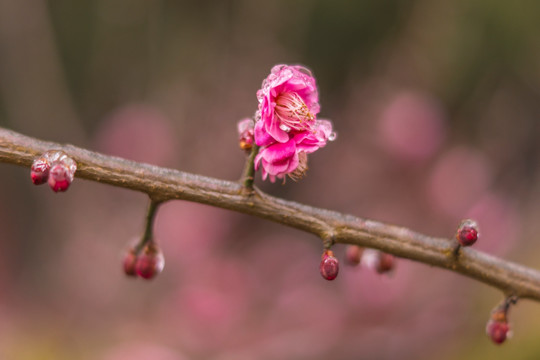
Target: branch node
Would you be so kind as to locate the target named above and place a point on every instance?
(456, 252)
(328, 240)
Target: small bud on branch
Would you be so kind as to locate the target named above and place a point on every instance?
(150, 261)
(54, 167)
(145, 259)
(329, 266)
(385, 263)
(467, 233)
(130, 259)
(497, 327)
(353, 255)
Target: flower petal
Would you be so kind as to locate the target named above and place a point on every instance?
(262, 137)
(279, 152)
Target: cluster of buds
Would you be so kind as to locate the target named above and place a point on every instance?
(373, 259)
(497, 327)
(54, 167)
(376, 260)
(146, 262)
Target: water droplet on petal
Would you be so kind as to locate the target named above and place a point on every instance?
(284, 128)
(332, 136)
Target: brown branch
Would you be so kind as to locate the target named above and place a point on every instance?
(165, 184)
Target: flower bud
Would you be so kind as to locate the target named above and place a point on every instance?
(130, 259)
(353, 255)
(497, 330)
(385, 263)
(39, 172)
(150, 261)
(467, 233)
(329, 266)
(245, 134)
(59, 177)
(54, 167)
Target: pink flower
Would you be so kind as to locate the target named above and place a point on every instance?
(277, 159)
(286, 126)
(290, 158)
(288, 101)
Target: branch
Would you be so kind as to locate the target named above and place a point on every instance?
(163, 184)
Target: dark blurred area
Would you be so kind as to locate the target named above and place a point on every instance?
(437, 109)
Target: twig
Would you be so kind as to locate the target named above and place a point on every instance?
(148, 234)
(248, 175)
(163, 184)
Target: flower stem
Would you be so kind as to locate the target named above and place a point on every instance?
(248, 175)
(149, 226)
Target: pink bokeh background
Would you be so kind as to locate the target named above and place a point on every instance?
(436, 122)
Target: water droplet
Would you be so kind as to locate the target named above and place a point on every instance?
(257, 116)
(332, 136)
(284, 128)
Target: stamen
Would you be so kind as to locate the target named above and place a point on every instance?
(293, 113)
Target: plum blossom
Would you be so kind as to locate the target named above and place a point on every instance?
(288, 100)
(287, 128)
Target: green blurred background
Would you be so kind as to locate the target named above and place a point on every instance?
(437, 109)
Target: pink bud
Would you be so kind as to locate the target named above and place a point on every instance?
(467, 233)
(59, 177)
(497, 330)
(130, 259)
(39, 172)
(329, 265)
(245, 133)
(385, 263)
(150, 262)
(55, 167)
(353, 254)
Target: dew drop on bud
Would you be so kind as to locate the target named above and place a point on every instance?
(467, 233)
(329, 265)
(150, 261)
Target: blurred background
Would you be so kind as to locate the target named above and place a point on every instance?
(436, 105)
